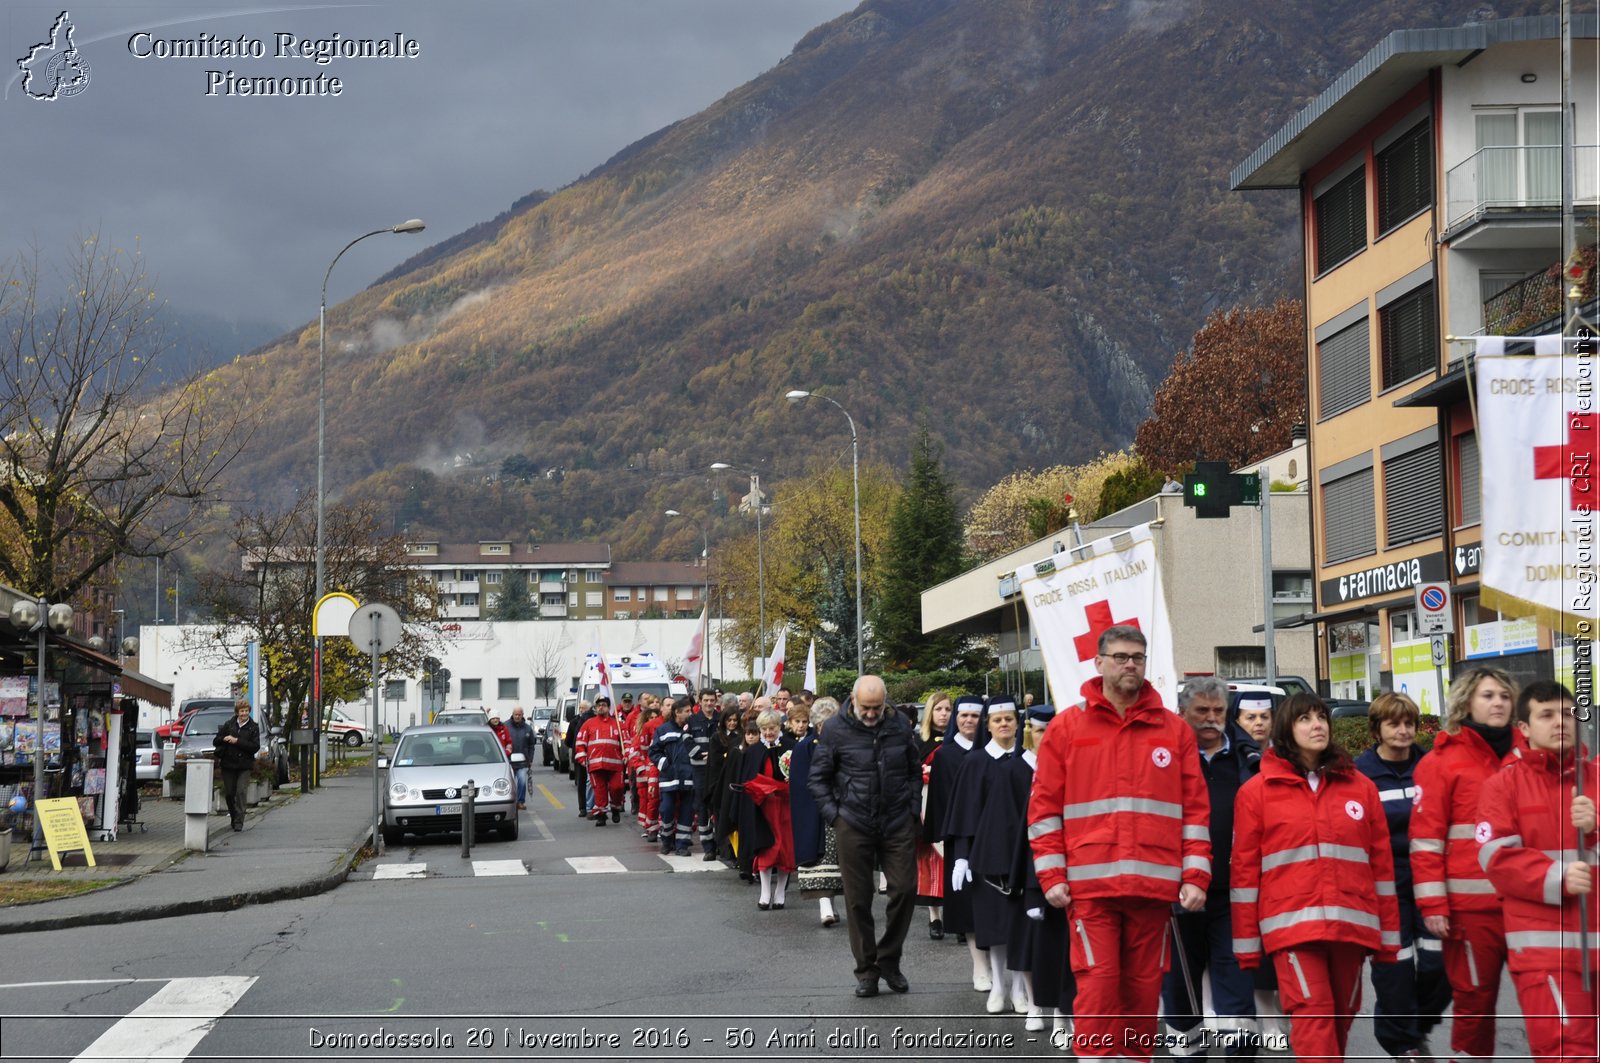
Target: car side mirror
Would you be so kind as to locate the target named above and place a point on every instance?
(383, 763)
(518, 758)
(276, 731)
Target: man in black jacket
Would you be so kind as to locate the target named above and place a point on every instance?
(1228, 758)
(237, 742)
(580, 775)
(866, 778)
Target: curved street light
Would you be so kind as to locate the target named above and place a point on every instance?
(37, 616)
(761, 564)
(795, 398)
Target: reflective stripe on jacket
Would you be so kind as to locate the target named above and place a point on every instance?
(1311, 865)
(600, 744)
(1528, 840)
(1445, 874)
(1119, 805)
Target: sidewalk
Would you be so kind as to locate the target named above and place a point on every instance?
(294, 845)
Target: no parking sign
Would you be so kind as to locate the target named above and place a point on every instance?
(1434, 615)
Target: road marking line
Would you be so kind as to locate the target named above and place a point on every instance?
(171, 1023)
(538, 825)
(548, 796)
(597, 865)
(78, 981)
(400, 871)
(682, 864)
(498, 868)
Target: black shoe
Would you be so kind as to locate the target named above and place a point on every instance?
(936, 929)
(709, 857)
(600, 820)
(616, 815)
(961, 939)
(896, 981)
(777, 906)
(866, 987)
(764, 906)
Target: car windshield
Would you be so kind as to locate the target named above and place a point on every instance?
(206, 721)
(144, 739)
(434, 750)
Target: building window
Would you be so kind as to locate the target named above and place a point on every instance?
(1344, 370)
(572, 599)
(687, 593)
(493, 577)
(1234, 661)
(472, 690)
(468, 599)
(1405, 177)
(1342, 220)
(508, 689)
(623, 614)
(660, 594)
(1349, 520)
(622, 594)
(394, 690)
(1470, 489)
(1291, 586)
(1413, 496)
(592, 599)
(594, 575)
(1410, 336)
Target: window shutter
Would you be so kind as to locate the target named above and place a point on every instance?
(1405, 177)
(1342, 220)
(1413, 496)
(1471, 486)
(1409, 336)
(1349, 517)
(1344, 370)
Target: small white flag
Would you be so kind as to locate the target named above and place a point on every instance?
(811, 668)
(773, 675)
(695, 654)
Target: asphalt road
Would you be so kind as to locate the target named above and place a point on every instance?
(516, 957)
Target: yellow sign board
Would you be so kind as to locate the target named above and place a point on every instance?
(62, 823)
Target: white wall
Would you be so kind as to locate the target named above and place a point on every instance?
(483, 650)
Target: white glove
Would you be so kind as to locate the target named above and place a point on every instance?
(1036, 914)
(960, 874)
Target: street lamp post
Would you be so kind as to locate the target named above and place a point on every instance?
(796, 397)
(415, 225)
(705, 593)
(37, 615)
(761, 564)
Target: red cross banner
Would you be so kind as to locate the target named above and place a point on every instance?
(1537, 437)
(1072, 597)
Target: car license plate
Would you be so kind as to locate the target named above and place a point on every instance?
(447, 810)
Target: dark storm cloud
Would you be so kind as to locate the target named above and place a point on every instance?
(238, 203)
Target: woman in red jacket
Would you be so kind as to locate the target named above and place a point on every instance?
(1312, 877)
(1457, 901)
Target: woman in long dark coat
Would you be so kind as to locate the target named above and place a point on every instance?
(944, 773)
(816, 857)
(766, 832)
(936, 713)
(722, 760)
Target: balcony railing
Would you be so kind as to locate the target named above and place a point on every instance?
(1518, 178)
(1534, 300)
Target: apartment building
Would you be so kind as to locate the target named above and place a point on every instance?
(568, 579)
(1429, 180)
(655, 589)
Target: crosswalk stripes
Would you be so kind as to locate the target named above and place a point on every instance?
(400, 871)
(580, 865)
(498, 868)
(596, 865)
(171, 1022)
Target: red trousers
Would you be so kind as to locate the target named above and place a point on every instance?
(1120, 951)
(1320, 986)
(1474, 957)
(649, 778)
(1561, 1019)
(607, 786)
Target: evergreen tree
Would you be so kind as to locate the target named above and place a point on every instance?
(515, 600)
(836, 641)
(924, 548)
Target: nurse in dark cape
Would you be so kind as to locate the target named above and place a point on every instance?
(766, 832)
(931, 729)
(987, 814)
(944, 773)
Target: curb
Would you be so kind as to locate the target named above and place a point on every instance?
(226, 903)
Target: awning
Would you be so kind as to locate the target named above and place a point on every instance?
(1348, 612)
(138, 685)
(1446, 391)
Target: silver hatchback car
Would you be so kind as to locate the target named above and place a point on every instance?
(431, 766)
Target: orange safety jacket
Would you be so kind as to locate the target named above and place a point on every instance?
(599, 745)
(1311, 866)
(1445, 873)
(1526, 841)
(1119, 806)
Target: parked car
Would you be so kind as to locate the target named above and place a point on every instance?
(465, 717)
(432, 764)
(1339, 708)
(200, 732)
(1290, 684)
(540, 722)
(566, 712)
(341, 728)
(146, 757)
(188, 707)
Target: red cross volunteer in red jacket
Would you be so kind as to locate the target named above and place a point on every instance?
(1119, 822)
(1532, 825)
(1457, 901)
(1313, 877)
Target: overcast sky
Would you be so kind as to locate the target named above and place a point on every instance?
(239, 203)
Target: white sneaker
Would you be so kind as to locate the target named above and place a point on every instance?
(1019, 1004)
(996, 1002)
(981, 981)
(1035, 1020)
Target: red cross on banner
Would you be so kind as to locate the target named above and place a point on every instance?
(1099, 616)
(1572, 460)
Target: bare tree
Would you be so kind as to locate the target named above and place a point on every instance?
(546, 651)
(98, 464)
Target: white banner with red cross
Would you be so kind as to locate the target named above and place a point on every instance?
(1072, 597)
(1537, 440)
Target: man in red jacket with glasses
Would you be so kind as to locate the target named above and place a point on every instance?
(1119, 821)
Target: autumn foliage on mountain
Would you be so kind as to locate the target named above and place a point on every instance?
(1001, 217)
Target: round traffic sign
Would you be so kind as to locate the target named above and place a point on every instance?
(1433, 599)
(375, 628)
